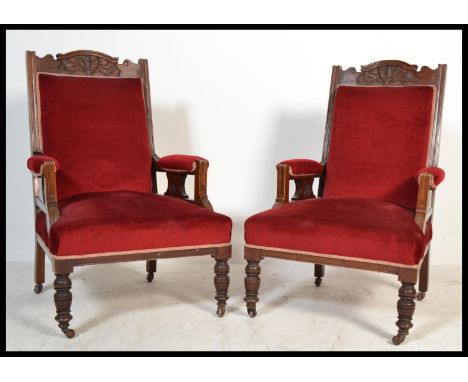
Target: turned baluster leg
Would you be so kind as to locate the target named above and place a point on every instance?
(405, 306)
(319, 272)
(39, 268)
(423, 278)
(221, 281)
(63, 300)
(252, 284)
(151, 266)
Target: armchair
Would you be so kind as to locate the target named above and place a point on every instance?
(94, 172)
(377, 181)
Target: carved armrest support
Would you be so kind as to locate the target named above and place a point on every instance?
(428, 179)
(423, 203)
(177, 167)
(45, 191)
(303, 172)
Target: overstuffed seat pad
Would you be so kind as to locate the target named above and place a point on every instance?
(122, 221)
(364, 229)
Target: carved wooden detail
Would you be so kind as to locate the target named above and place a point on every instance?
(388, 73)
(252, 285)
(304, 188)
(221, 281)
(63, 300)
(405, 306)
(176, 185)
(89, 64)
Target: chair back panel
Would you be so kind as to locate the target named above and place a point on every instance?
(96, 129)
(383, 125)
(379, 140)
(94, 116)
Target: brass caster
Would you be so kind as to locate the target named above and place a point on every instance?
(70, 333)
(150, 277)
(398, 339)
(252, 312)
(318, 281)
(220, 311)
(420, 296)
(38, 288)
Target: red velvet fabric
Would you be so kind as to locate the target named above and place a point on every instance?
(178, 162)
(303, 166)
(379, 140)
(439, 174)
(96, 128)
(351, 227)
(126, 221)
(35, 163)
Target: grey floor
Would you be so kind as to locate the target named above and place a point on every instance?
(114, 308)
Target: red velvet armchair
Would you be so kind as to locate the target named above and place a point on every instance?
(94, 174)
(377, 180)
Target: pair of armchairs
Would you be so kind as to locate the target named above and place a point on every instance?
(96, 197)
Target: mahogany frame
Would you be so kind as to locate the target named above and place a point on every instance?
(96, 64)
(380, 73)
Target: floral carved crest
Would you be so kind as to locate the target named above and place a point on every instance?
(88, 64)
(391, 73)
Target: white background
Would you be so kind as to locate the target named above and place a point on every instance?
(244, 100)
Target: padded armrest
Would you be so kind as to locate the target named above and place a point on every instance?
(437, 172)
(178, 163)
(303, 167)
(35, 163)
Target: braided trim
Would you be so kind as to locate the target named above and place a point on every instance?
(149, 250)
(358, 259)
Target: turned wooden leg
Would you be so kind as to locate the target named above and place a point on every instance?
(63, 300)
(39, 268)
(150, 268)
(252, 284)
(319, 272)
(405, 306)
(423, 278)
(221, 281)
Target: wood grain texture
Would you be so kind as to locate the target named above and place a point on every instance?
(405, 307)
(63, 300)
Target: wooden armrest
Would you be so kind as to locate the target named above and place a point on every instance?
(176, 178)
(49, 204)
(304, 173)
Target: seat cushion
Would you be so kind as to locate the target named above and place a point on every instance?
(366, 229)
(120, 221)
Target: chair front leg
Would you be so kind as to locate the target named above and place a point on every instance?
(39, 269)
(221, 279)
(252, 280)
(63, 300)
(405, 306)
(151, 266)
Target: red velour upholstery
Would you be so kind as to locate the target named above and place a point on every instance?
(303, 166)
(348, 227)
(379, 140)
(439, 174)
(35, 163)
(96, 128)
(119, 221)
(178, 162)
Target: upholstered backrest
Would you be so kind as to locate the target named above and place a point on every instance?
(379, 138)
(96, 127)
